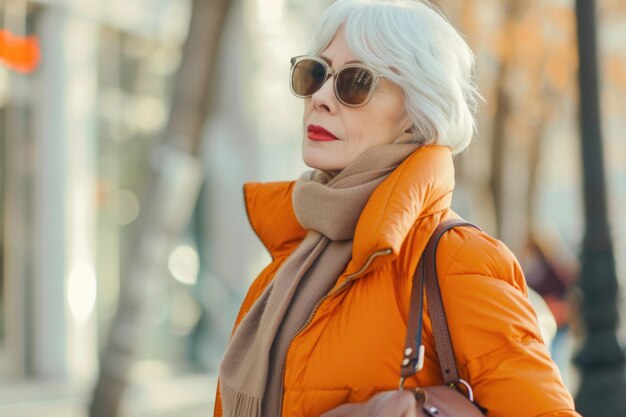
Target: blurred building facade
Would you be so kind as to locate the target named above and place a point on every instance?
(100, 92)
(76, 138)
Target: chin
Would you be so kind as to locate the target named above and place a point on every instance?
(317, 159)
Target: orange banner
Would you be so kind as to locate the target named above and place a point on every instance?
(20, 53)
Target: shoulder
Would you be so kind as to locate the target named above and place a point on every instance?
(472, 253)
(470, 263)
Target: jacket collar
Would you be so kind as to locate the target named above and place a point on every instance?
(421, 186)
(271, 215)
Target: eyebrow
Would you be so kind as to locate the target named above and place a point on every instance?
(330, 61)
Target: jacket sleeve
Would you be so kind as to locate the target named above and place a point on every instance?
(494, 329)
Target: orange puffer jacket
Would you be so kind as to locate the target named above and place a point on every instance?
(352, 346)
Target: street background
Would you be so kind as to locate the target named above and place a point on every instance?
(125, 251)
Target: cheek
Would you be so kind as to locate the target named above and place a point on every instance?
(371, 125)
(359, 123)
(391, 117)
(354, 129)
(306, 109)
(390, 107)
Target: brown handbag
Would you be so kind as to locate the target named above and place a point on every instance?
(444, 400)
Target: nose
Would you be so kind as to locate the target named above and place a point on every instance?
(324, 99)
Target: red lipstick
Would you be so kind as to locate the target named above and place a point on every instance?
(319, 134)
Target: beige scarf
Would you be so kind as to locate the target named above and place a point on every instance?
(329, 208)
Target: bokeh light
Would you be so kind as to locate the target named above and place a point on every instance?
(183, 264)
(81, 291)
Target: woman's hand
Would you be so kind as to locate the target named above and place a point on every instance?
(388, 404)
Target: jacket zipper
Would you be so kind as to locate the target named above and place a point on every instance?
(348, 281)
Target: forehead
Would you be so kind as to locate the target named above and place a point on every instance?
(337, 52)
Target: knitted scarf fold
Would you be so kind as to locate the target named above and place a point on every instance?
(251, 372)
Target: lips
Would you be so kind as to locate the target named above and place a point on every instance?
(319, 134)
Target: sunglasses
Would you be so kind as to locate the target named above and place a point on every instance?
(354, 84)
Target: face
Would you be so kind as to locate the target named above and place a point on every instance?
(351, 130)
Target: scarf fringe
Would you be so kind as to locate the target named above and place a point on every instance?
(239, 404)
(246, 405)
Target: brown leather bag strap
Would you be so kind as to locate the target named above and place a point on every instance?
(426, 276)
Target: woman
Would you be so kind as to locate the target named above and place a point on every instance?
(388, 99)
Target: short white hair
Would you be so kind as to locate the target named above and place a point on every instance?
(413, 44)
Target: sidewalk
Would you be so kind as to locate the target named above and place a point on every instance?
(190, 396)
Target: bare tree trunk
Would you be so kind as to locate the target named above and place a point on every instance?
(534, 157)
(503, 109)
(498, 147)
(168, 203)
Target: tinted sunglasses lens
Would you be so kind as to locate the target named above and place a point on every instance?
(307, 77)
(353, 85)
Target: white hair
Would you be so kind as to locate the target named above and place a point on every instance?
(413, 44)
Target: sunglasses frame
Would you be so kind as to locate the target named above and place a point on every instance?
(331, 72)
